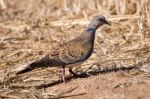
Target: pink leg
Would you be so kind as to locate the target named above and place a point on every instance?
(62, 74)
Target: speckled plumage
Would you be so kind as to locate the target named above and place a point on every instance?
(72, 52)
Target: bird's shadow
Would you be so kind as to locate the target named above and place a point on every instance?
(85, 75)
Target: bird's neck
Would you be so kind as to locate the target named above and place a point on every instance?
(89, 33)
(91, 30)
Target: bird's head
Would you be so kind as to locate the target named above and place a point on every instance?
(98, 21)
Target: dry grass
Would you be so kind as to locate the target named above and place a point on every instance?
(29, 29)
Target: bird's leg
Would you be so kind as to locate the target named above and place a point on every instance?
(62, 74)
(82, 75)
(74, 74)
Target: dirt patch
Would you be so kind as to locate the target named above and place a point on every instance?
(118, 68)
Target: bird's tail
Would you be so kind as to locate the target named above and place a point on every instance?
(44, 62)
(25, 68)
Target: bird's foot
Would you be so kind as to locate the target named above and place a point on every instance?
(80, 75)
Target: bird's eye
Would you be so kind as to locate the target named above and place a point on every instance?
(100, 19)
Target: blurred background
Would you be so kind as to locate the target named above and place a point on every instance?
(30, 28)
(71, 9)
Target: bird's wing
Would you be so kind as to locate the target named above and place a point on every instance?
(53, 57)
(74, 51)
(68, 53)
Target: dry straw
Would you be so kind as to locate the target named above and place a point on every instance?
(29, 29)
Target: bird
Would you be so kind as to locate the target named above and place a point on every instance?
(71, 53)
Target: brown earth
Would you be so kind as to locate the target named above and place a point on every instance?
(118, 69)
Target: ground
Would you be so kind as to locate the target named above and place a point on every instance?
(119, 67)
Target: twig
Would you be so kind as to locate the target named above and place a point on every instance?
(2, 5)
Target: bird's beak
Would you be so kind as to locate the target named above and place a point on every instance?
(108, 23)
